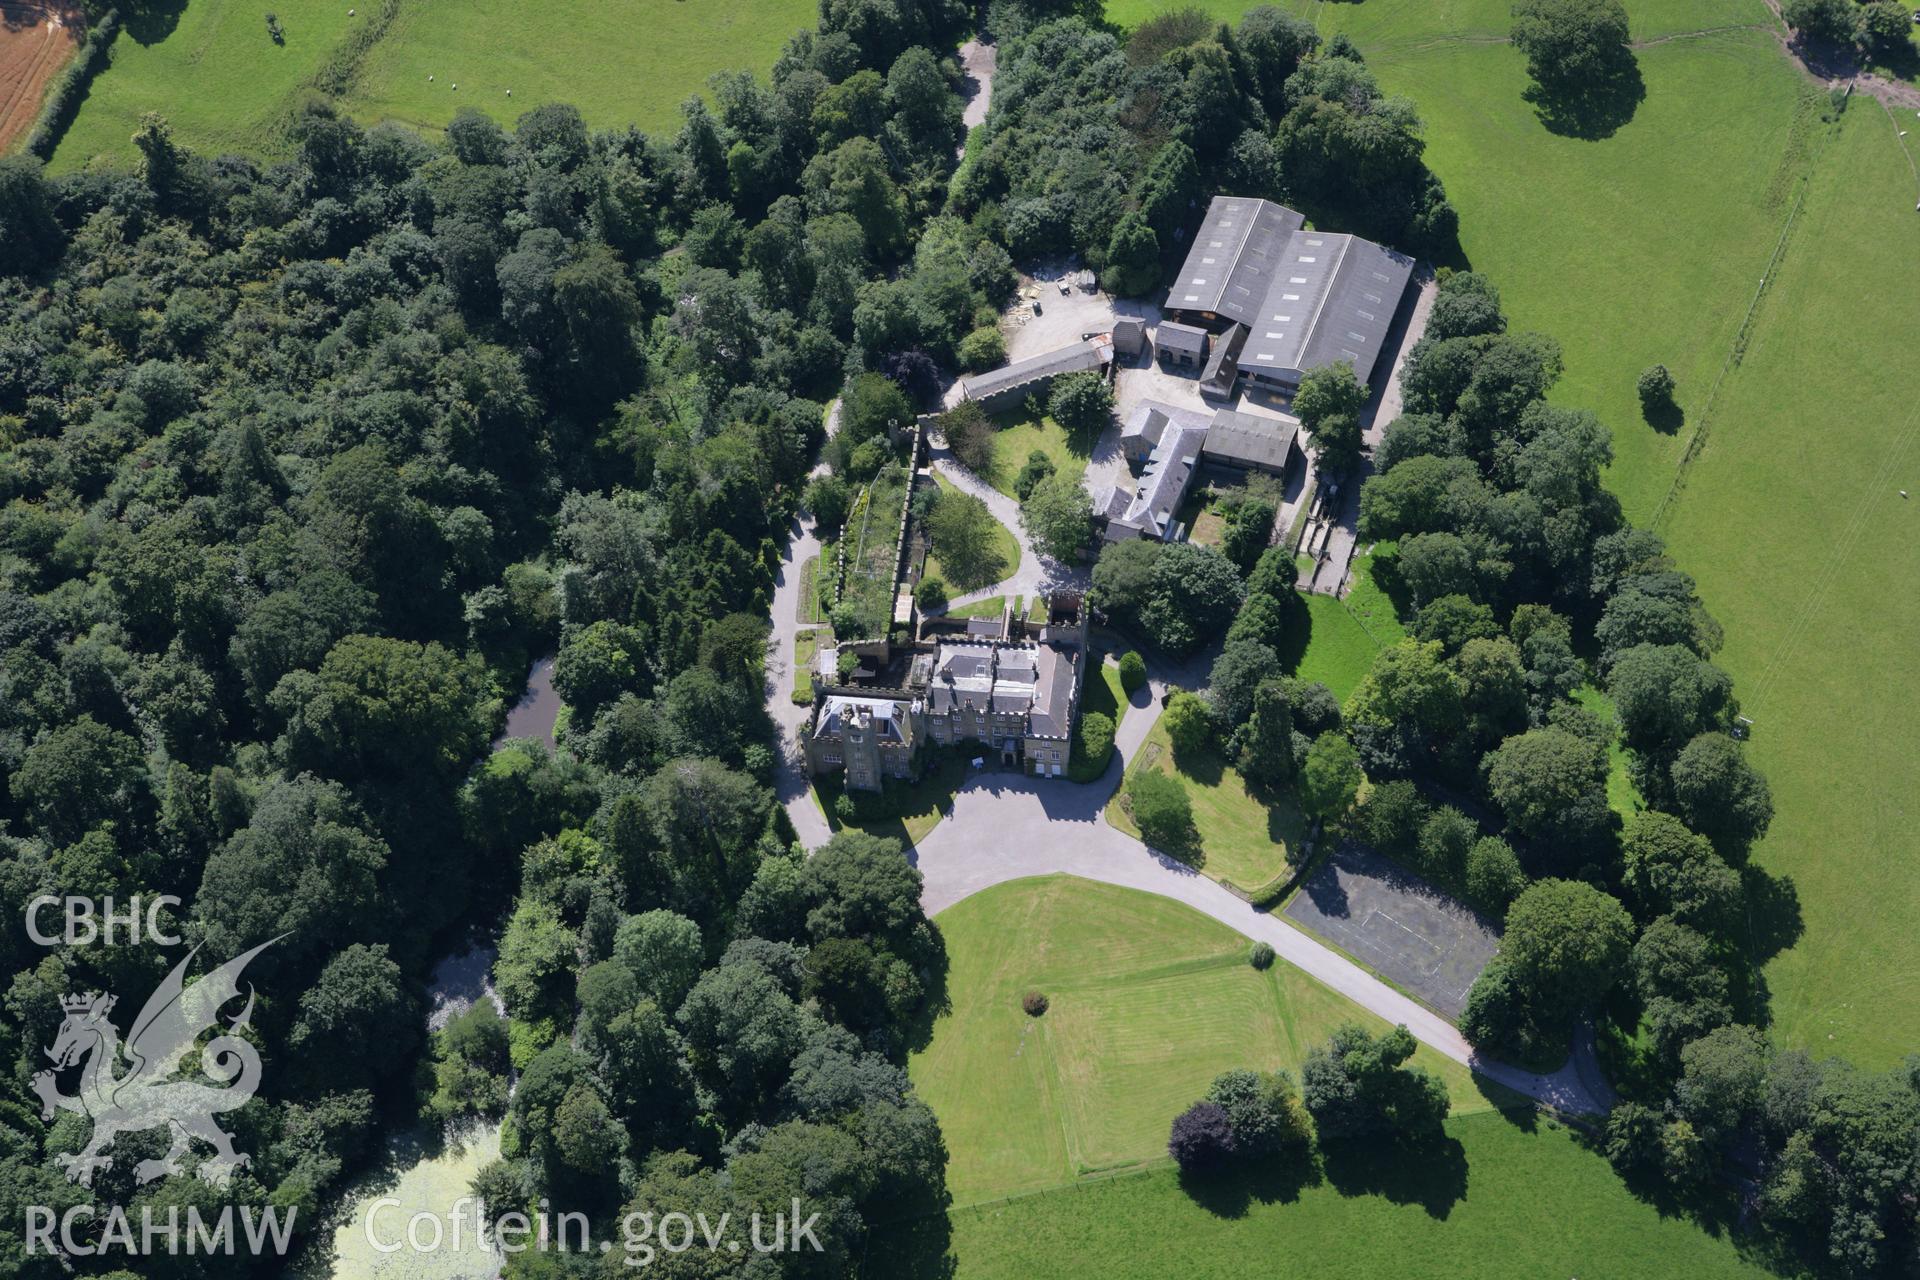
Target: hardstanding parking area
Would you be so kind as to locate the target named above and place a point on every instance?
(1398, 925)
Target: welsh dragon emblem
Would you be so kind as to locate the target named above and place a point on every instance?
(147, 1094)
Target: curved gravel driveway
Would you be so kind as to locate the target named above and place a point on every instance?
(1010, 827)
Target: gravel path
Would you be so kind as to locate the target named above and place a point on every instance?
(979, 61)
(790, 775)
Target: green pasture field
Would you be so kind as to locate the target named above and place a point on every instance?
(632, 63)
(1643, 248)
(1503, 1199)
(1149, 1001)
(1379, 22)
(1791, 518)
(211, 69)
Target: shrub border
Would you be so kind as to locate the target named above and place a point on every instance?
(63, 100)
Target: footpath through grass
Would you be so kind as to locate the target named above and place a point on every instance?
(212, 70)
(1149, 1001)
(999, 559)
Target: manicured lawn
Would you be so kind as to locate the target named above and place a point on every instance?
(1001, 560)
(1500, 1200)
(1791, 519)
(1021, 434)
(1149, 1001)
(226, 86)
(1102, 693)
(1343, 636)
(907, 811)
(808, 607)
(805, 645)
(1244, 836)
(991, 607)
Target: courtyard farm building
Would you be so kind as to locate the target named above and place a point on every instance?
(1278, 299)
(1009, 689)
(1171, 446)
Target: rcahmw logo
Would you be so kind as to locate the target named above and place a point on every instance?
(134, 1085)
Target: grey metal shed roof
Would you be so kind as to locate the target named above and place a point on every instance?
(1308, 298)
(1048, 364)
(1247, 440)
(1234, 256)
(1359, 307)
(1335, 300)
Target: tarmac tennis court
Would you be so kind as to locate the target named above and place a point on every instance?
(1398, 925)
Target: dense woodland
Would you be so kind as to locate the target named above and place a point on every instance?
(302, 461)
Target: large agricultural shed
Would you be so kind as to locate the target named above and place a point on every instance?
(1301, 298)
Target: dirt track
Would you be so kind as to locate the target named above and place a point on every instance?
(35, 42)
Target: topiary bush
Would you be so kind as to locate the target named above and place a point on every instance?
(1035, 1003)
(1133, 671)
(983, 349)
(1092, 746)
(1162, 811)
(1260, 955)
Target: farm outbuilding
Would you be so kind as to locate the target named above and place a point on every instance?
(1013, 385)
(1183, 346)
